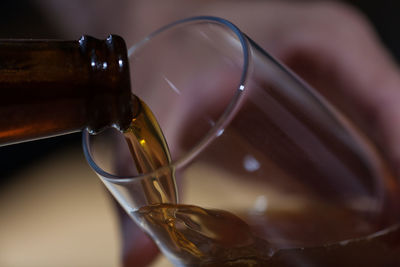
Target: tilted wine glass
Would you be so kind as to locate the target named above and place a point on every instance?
(246, 135)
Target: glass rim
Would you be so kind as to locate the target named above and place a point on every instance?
(216, 130)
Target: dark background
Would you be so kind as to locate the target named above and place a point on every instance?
(23, 19)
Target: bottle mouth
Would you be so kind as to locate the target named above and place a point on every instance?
(217, 128)
(107, 56)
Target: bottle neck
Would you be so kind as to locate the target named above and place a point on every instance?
(109, 83)
(55, 87)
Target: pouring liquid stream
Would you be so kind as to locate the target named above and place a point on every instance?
(188, 235)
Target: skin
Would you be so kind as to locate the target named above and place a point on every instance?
(329, 44)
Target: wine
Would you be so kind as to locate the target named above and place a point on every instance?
(219, 238)
(150, 151)
(194, 236)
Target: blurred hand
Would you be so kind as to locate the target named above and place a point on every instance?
(330, 45)
(334, 48)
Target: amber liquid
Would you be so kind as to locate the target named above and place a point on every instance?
(193, 236)
(150, 151)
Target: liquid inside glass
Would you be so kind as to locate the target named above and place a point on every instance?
(195, 236)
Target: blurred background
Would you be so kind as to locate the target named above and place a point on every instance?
(54, 210)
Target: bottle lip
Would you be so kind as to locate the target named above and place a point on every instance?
(216, 130)
(109, 102)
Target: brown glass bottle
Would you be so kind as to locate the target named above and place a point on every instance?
(51, 87)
